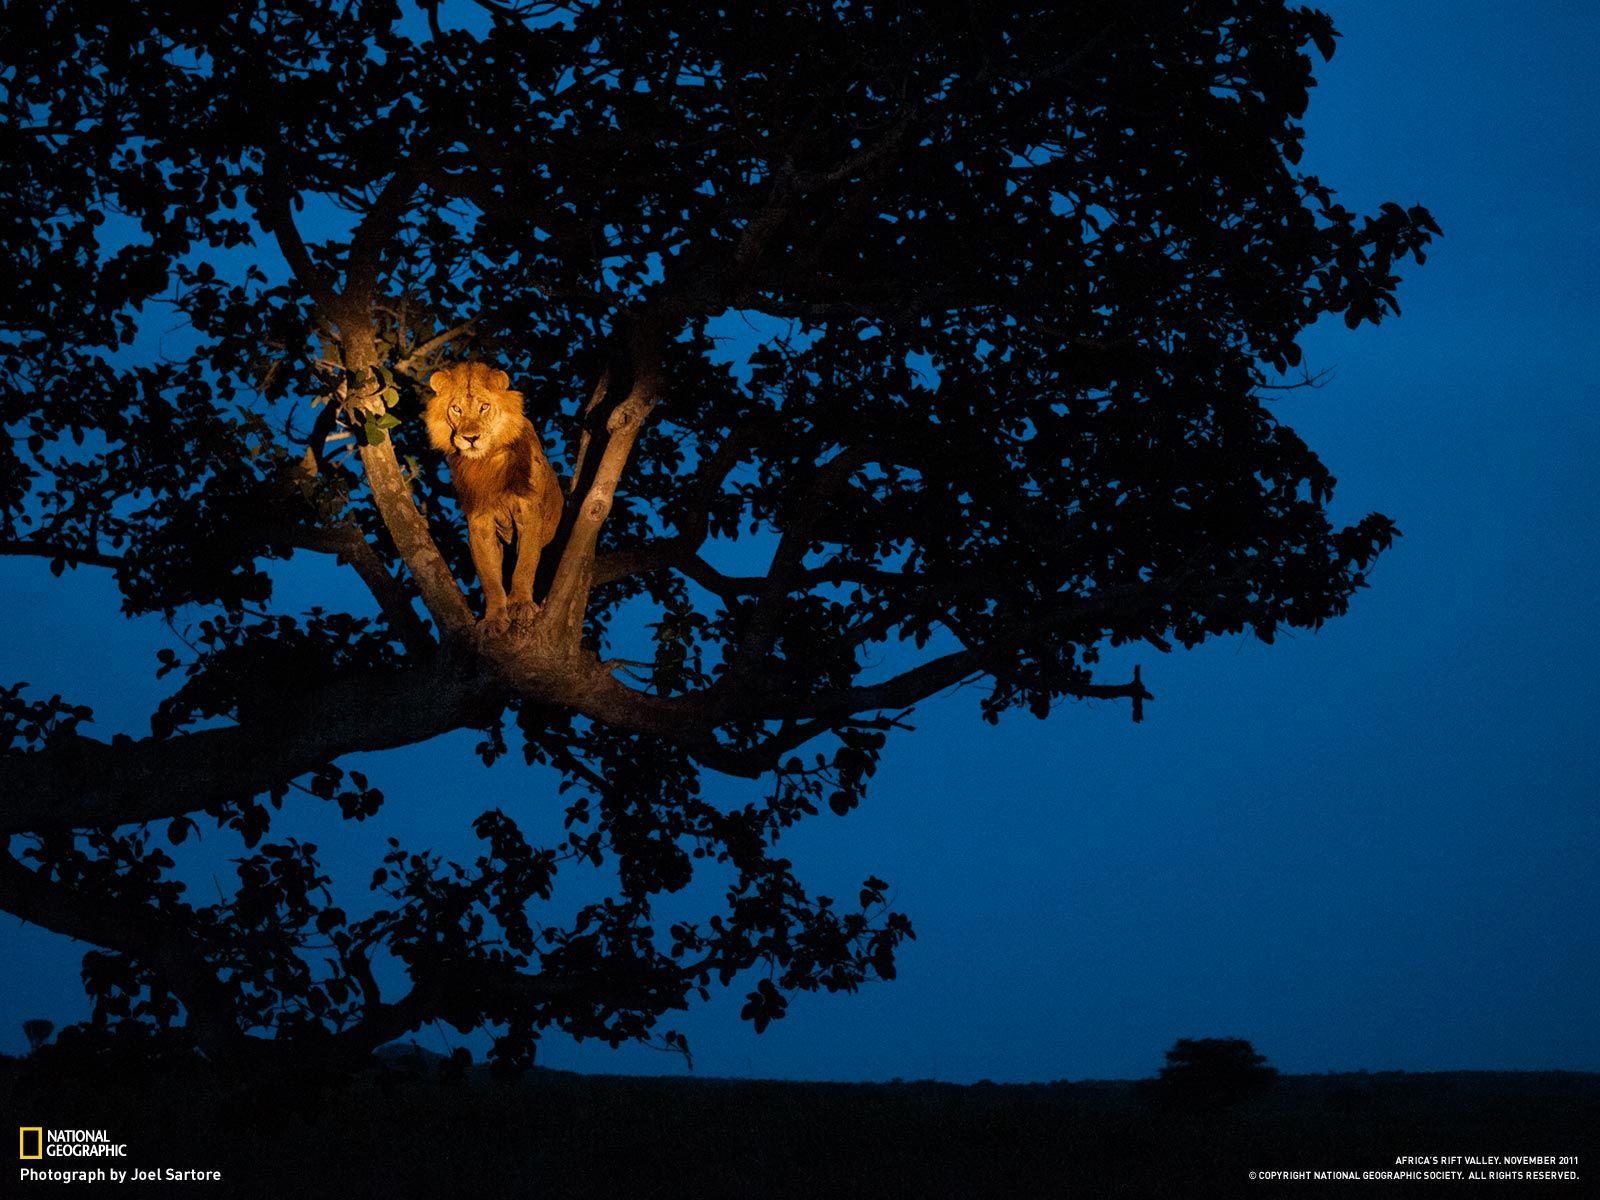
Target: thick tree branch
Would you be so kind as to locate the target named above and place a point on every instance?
(602, 385)
(679, 554)
(59, 552)
(407, 526)
(84, 783)
(351, 310)
(1081, 614)
(412, 538)
(691, 720)
(568, 597)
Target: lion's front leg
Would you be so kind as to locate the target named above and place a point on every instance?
(527, 565)
(488, 558)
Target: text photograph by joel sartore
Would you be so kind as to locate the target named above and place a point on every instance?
(799, 598)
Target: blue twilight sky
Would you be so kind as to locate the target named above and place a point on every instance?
(1369, 848)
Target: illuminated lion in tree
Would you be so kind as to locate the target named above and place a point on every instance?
(502, 478)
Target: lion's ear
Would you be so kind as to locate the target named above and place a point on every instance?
(440, 381)
(499, 381)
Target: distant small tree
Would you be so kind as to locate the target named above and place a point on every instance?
(37, 1032)
(1213, 1072)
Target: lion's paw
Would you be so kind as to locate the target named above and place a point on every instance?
(495, 622)
(524, 613)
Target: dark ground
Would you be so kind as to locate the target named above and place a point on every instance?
(397, 1134)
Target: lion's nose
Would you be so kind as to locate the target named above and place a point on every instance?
(470, 439)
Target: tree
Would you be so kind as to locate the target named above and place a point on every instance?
(1210, 1073)
(1024, 273)
(37, 1032)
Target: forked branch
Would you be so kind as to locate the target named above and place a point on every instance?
(568, 597)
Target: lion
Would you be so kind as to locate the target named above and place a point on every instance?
(505, 484)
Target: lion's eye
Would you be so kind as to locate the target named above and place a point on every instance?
(455, 410)
(482, 408)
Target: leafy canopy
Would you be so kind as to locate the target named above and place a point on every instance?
(1013, 278)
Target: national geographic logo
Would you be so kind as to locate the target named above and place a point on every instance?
(36, 1142)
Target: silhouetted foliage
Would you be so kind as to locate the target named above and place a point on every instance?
(38, 1032)
(1213, 1073)
(1018, 274)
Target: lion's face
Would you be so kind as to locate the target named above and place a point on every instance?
(473, 411)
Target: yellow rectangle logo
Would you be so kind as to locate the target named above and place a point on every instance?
(38, 1141)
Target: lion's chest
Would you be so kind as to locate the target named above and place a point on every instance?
(495, 485)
